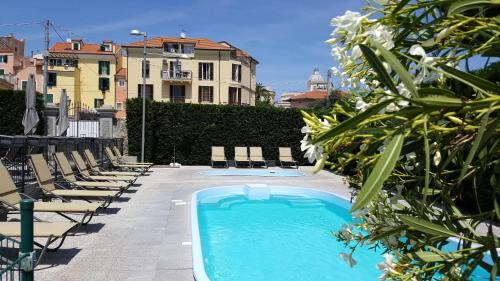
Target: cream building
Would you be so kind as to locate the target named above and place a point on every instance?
(85, 70)
(191, 70)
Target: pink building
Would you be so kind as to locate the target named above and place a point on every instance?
(15, 68)
(11, 55)
(31, 66)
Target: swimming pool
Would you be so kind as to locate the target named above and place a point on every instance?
(260, 232)
(253, 172)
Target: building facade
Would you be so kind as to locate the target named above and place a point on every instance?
(85, 70)
(191, 70)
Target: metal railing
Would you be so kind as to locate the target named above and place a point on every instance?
(15, 152)
(176, 75)
(17, 258)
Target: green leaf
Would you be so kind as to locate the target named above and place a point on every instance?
(404, 75)
(352, 122)
(427, 151)
(436, 92)
(381, 171)
(377, 65)
(436, 257)
(475, 146)
(400, 6)
(473, 80)
(439, 101)
(428, 227)
(461, 6)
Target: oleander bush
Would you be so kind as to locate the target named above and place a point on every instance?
(12, 107)
(421, 151)
(194, 128)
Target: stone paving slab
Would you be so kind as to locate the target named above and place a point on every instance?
(140, 238)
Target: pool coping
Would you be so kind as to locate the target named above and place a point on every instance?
(242, 174)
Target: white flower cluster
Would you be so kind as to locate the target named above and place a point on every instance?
(351, 29)
(314, 152)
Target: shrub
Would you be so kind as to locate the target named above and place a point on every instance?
(12, 107)
(194, 128)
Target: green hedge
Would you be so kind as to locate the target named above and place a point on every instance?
(12, 107)
(195, 128)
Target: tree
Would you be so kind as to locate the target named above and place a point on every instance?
(422, 154)
(262, 94)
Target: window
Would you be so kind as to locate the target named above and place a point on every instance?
(98, 103)
(205, 94)
(103, 67)
(103, 84)
(24, 85)
(149, 91)
(52, 79)
(49, 98)
(234, 95)
(4, 58)
(177, 93)
(188, 49)
(2, 71)
(121, 82)
(55, 62)
(206, 71)
(147, 69)
(70, 62)
(76, 46)
(119, 106)
(236, 72)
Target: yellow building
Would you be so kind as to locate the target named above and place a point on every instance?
(191, 70)
(85, 70)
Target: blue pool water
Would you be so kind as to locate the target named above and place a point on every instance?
(253, 172)
(274, 233)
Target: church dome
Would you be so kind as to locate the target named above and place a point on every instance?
(316, 77)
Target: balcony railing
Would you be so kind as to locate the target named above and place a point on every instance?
(168, 75)
(9, 78)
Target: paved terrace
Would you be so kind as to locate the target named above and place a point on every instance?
(141, 236)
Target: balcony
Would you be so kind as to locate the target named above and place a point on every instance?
(176, 76)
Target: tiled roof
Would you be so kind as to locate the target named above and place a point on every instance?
(85, 48)
(200, 43)
(122, 72)
(311, 95)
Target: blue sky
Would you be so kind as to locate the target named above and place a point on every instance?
(286, 37)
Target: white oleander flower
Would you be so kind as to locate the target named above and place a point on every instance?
(387, 267)
(381, 34)
(348, 24)
(361, 105)
(306, 130)
(313, 151)
(423, 72)
(356, 52)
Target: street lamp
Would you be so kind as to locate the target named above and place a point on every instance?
(145, 34)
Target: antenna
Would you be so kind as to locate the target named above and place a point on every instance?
(183, 33)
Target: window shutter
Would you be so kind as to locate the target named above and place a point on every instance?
(107, 67)
(100, 67)
(239, 73)
(211, 91)
(100, 85)
(211, 71)
(199, 94)
(171, 92)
